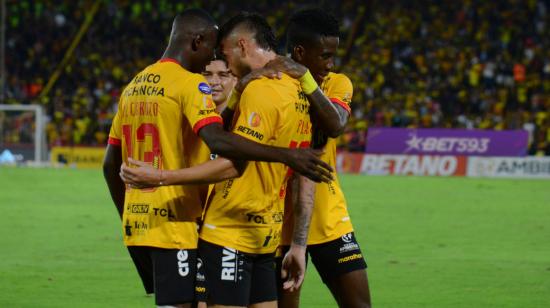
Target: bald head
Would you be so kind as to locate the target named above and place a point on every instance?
(192, 21)
(192, 39)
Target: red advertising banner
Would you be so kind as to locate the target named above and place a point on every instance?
(419, 165)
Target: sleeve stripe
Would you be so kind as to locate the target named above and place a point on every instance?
(114, 141)
(341, 103)
(206, 121)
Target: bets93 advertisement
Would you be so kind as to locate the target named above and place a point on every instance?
(459, 142)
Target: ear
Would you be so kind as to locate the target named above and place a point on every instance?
(299, 52)
(242, 44)
(196, 42)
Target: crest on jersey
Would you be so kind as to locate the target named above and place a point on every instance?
(205, 88)
(347, 238)
(254, 119)
(208, 103)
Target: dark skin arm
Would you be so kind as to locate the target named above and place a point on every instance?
(227, 116)
(331, 119)
(232, 146)
(111, 165)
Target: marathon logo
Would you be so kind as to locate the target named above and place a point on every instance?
(200, 289)
(354, 256)
(138, 208)
(250, 132)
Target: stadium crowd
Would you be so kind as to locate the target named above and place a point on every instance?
(453, 64)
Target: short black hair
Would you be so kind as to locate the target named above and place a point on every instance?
(195, 15)
(307, 25)
(263, 34)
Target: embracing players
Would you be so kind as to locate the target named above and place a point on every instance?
(160, 114)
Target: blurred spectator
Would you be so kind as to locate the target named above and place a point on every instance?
(464, 64)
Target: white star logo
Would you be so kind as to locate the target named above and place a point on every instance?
(413, 143)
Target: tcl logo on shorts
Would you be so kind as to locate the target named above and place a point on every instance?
(229, 264)
(183, 265)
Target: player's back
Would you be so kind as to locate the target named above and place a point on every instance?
(159, 113)
(246, 213)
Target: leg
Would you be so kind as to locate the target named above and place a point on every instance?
(351, 289)
(144, 265)
(263, 291)
(342, 268)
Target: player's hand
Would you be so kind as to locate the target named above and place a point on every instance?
(306, 161)
(287, 66)
(294, 268)
(142, 176)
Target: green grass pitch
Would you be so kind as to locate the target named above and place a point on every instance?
(429, 242)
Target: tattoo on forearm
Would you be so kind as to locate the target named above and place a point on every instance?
(303, 210)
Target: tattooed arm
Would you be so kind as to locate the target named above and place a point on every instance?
(294, 262)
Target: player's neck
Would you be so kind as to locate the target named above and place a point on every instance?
(221, 107)
(178, 57)
(262, 58)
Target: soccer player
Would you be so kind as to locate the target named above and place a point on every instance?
(221, 81)
(312, 40)
(160, 114)
(242, 223)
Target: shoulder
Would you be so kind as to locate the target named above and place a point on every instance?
(339, 79)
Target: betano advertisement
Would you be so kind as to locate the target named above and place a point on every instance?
(444, 165)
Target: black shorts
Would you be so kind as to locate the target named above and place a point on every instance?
(200, 283)
(172, 273)
(335, 258)
(234, 278)
(144, 265)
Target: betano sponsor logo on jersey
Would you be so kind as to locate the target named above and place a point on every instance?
(250, 132)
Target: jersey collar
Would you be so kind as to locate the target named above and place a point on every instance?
(169, 60)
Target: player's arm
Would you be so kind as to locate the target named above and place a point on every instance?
(232, 146)
(293, 269)
(199, 109)
(111, 163)
(143, 175)
(330, 117)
